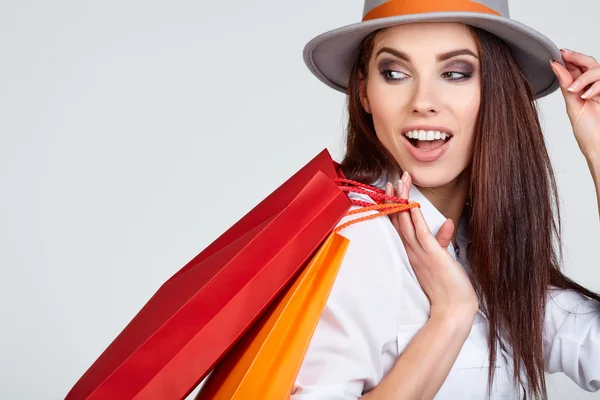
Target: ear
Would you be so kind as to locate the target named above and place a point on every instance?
(362, 92)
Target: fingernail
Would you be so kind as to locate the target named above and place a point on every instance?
(404, 176)
(567, 51)
(553, 67)
(413, 209)
(586, 94)
(388, 186)
(574, 86)
(400, 183)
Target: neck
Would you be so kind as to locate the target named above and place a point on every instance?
(449, 199)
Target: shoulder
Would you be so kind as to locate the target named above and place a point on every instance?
(372, 240)
(569, 313)
(374, 267)
(568, 300)
(362, 230)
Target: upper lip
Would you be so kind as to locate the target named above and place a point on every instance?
(428, 128)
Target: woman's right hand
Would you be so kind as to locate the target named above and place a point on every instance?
(443, 280)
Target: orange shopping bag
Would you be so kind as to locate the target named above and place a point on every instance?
(265, 362)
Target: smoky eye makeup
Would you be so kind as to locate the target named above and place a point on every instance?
(461, 66)
(392, 70)
(390, 64)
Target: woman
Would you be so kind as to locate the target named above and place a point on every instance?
(443, 95)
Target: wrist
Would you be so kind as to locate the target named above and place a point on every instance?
(454, 320)
(593, 161)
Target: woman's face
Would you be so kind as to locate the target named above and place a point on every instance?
(422, 77)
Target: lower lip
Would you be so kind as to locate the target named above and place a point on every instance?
(426, 156)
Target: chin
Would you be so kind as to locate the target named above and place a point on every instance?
(434, 176)
(429, 181)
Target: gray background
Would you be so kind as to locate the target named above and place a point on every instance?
(134, 133)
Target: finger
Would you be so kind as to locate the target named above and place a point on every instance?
(592, 92)
(444, 234)
(562, 74)
(389, 190)
(407, 229)
(587, 78)
(397, 191)
(407, 182)
(572, 101)
(406, 187)
(582, 60)
(573, 69)
(424, 235)
(396, 218)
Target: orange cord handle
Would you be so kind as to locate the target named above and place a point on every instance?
(377, 195)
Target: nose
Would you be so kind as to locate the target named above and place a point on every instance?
(424, 100)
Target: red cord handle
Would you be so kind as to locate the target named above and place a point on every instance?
(375, 193)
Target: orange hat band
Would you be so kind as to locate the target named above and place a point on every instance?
(395, 8)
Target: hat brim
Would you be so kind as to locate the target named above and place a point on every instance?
(330, 55)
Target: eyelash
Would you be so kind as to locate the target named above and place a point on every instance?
(465, 75)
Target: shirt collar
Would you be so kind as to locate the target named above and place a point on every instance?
(432, 215)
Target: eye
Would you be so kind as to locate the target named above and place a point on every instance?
(462, 76)
(392, 75)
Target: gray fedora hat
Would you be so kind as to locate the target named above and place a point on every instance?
(330, 55)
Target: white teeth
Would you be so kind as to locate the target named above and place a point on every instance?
(426, 135)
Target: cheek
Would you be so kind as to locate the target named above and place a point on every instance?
(387, 107)
(467, 110)
(469, 138)
(383, 100)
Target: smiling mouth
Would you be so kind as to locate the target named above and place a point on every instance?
(428, 145)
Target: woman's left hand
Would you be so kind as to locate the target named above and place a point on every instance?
(580, 86)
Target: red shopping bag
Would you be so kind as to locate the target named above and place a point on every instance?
(201, 311)
(265, 362)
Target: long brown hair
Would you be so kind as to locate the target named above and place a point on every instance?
(512, 255)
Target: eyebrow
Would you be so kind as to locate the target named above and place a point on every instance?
(439, 57)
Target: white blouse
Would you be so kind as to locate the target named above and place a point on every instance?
(376, 306)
